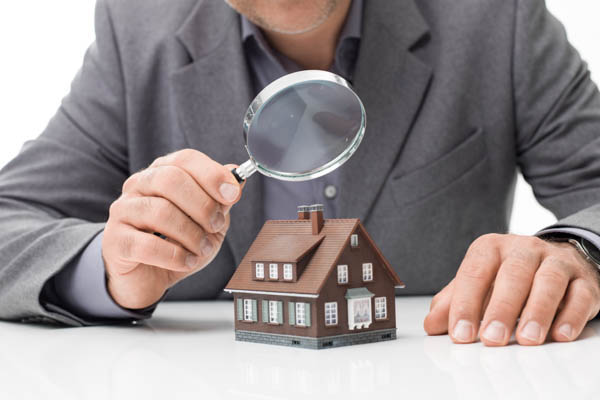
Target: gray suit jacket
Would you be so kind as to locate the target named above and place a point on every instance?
(458, 94)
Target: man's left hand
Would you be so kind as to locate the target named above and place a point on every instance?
(546, 288)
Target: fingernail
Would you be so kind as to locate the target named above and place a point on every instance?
(495, 332)
(566, 330)
(191, 260)
(532, 331)
(206, 246)
(217, 221)
(229, 191)
(463, 331)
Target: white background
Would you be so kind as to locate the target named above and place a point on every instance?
(42, 44)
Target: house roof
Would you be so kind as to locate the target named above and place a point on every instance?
(331, 241)
(286, 248)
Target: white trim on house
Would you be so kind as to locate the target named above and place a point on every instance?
(311, 296)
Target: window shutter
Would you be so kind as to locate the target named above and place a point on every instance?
(307, 313)
(240, 309)
(254, 311)
(265, 311)
(292, 312)
(280, 312)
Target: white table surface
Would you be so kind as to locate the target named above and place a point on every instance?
(188, 351)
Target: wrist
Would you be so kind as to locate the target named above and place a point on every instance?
(133, 297)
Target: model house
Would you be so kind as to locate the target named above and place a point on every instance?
(314, 283)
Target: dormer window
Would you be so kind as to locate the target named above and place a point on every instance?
(367, 272)
(260, 271)
(287, 272)
(273, 271)
(342, 271)
(354, 240)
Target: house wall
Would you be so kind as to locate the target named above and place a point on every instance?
(283, 329)
(381, 285)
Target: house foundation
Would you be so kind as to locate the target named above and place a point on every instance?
(316, 343)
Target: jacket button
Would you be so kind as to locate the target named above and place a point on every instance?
(330, 191)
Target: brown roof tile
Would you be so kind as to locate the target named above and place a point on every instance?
(335, 234)
(286, 248)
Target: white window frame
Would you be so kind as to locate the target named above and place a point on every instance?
(331, 313)
(288, 272)
(354, 240)
(273, 274)
(359, 307)
(380, 308)
(273, 316)
(248, 310)
(260, 267)
(342, 273)
(301, 314)
(367, 272)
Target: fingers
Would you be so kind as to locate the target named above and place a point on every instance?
(549, 287)
(436, 322)
(473, 279)
(138, 247)
(216, 179)
(178, 187)
(580, 306)
(156, 214)
(511, 289)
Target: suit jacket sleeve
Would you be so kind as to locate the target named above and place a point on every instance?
(557, 112)
(55, 195)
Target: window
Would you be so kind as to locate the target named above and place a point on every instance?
(380, 308)
(273, 316)
(260, 271)
(367, 272)
(272, 271)
(342, 274)
(354, 240)
(331, 314)
(248, 310)
(301, 314)
(287, 272)
(359, 313)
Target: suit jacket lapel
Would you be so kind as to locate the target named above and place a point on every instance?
(212, 94)
(392, 83)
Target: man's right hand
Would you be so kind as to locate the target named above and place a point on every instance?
(185, 196)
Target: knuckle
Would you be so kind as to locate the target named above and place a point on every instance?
(533, 242)
(553, 273)
(169, 179)
(472, 271)
(487, 240)
(146, 247)
(514, 270)
(461, 308)
(585, 294)
(130, 183)
(557, 263)
(126, 246)
(114, 209)
(503, 306)
(186, 155)
(163, 210)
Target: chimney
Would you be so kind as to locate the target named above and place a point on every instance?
(303, 213)
(316, 217)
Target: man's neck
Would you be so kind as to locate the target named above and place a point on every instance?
(314, 49)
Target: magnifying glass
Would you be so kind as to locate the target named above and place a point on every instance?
(302, 126)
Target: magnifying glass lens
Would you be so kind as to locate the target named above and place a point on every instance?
(305, 126)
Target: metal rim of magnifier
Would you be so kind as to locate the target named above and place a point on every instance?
(285, 82)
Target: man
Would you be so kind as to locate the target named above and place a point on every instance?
(458, 96)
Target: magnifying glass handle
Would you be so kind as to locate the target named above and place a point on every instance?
(244, 171)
